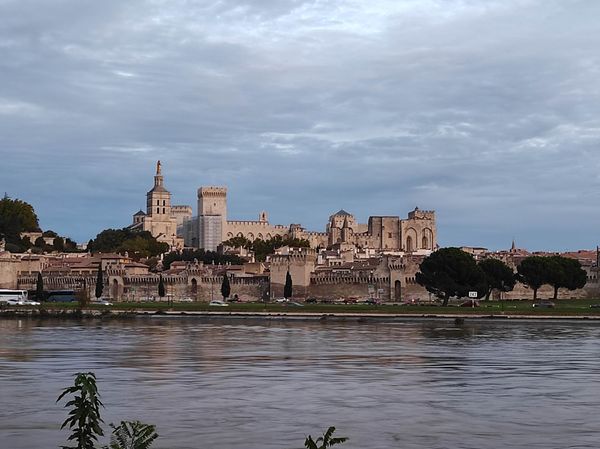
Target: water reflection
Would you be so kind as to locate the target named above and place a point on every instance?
(245, 384)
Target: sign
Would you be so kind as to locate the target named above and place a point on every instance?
(472, 294)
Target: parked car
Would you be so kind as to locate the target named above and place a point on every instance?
(294, 304)
(101, 302)
(372, 301)
(282, 300)
(543, 304)
(187, 299)
(218, 303)
(469, 303)
(311, 301)
(29, 302)
(14, 302)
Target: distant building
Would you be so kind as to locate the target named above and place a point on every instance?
(161, 219)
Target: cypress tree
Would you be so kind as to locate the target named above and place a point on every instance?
(287, 289)
(225, 287)
(99, 282)
(161, 287)
(39, 287)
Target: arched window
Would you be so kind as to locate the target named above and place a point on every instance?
(158, 210)
(164, 210)
(424, 243)
(409, 244)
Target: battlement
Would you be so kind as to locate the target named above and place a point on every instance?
(181, 208)
(212, 192)
(419, 214)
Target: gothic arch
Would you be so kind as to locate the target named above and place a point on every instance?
(250, 236)
(411, 240)
(229, 235)
(194, 287)
(239, 234)
(259, 236)
(427, 240)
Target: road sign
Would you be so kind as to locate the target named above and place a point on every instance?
(472, 294)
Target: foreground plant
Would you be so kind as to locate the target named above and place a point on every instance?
(132, 435)
(325, 441)
(84, 418)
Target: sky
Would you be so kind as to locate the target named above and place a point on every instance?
(487, 112)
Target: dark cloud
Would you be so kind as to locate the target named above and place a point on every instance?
(486, 112)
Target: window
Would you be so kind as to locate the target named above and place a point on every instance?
(164, 202)
(158, 210)
(389, 234)
(158, 202)
(164, 210)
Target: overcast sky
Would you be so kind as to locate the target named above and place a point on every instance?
(486, 111)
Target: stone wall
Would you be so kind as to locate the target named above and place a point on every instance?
(8, 272)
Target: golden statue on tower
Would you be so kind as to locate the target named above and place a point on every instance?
(158, 168)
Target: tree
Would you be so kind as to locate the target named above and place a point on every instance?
(498, 275)
(287, 288)
(533, 272)
(84, 418)
(225, 287)
(161, 287)
(16, 217)
(139, 244)
(99, 282)
(59, 244)
(132, 435)
(262, 248)
(325, 441)
(39, 287)
(564, 272)
(451, 272)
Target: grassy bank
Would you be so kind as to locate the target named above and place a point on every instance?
(500, 308)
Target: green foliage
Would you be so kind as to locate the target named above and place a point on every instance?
(498, 275)
(533, 271)
(99, 282)
(139, 244)
(49, 233)
(263, 248)
(451, 272)
(564, 272)
(161, 287)
(39, 287)
(132, 435)
(84, 418)
(207, 257)
(59, 244)
(225, 287)
(287, 288)
(16, 216)
(327, 440)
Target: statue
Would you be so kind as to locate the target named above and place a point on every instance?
(158, 168)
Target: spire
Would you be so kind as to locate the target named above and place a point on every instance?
(513, 248)
(158, 168)
(345, 225)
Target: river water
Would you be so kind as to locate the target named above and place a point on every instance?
(242, 384)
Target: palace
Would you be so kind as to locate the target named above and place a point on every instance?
(175, 225)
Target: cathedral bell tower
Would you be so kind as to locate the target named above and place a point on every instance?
(158, 200)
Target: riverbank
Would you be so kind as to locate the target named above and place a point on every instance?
(107, 314)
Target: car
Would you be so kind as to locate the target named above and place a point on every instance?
(350, 301)
(594, 306)
(372, 301)
(101, 302)
(543, 304)
(311, 301)
(469, 303)
(282, 300)
(29, 302)
(187, 299)
(218, 303)
(14, 302)
(294, 304)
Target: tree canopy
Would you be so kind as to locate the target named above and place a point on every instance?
(451, 272)
(138, 244)
(225, 286)
(564, 272)
(533, 272)
(16, 216)
(207, 257)
(263, 248)
(498, 276)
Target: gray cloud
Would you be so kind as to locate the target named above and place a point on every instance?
(485, 111)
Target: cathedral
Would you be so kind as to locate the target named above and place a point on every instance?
(176, 226)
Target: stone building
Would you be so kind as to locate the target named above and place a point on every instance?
(211, 227)
(161, 218)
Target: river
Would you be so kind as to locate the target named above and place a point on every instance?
(243, 384)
